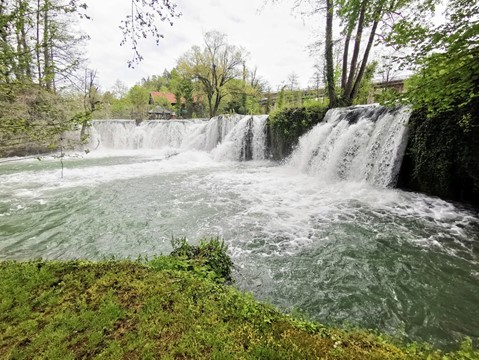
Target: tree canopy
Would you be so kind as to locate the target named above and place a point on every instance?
(444, 58)
(214, 66)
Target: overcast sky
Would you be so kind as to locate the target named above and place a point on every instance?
(275, 38)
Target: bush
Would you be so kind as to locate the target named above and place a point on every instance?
(209, 258)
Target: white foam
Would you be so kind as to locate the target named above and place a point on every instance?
(370, 149)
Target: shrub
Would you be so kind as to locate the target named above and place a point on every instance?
(209, 257)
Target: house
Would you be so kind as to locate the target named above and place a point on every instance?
(155, 96)
(161, 113)
(168, 99)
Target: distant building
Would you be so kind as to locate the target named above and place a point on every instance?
(158, 101)
(155, 96)
(161, 113)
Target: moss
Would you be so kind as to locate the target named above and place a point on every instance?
(137, 310)
(288, 125)
(442, 155)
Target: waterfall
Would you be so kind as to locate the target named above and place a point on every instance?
(362, 143)
(227, 137)
(356, 144)
(246, 141)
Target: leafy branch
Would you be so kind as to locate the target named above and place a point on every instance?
(142, 22)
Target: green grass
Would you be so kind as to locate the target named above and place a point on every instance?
(167, 308)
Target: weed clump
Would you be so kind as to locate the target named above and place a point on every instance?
(209, 259)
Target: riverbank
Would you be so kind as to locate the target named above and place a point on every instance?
(168, 308)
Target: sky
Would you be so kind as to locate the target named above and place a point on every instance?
(274, 36)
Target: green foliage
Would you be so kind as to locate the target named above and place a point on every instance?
(444, 57)
(128, 310)
(280, 104)
(242, 98)
(119, 109)
(135, 103)
(83, 120)
(293, 122)
(138, 97)
(286, 126)
(210, 254)
(441, 158)
(32, 119)
(360, 23)
(213, 68)
(182, 87)
(366, 88)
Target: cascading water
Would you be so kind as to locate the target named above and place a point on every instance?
(233, 137)
(246, 141)
(355, 144)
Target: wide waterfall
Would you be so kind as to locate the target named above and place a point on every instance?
(227, 137)
(355, 144)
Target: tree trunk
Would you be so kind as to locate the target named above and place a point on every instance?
(19, 68)
(6, 66)
(333, 100)
(52, 68)
(217, 102)
(345, 58)
(37, 45)
(354, 60)
(26, 55)
(364, 63)
(46, 48)
(243, 96)
(210, 104)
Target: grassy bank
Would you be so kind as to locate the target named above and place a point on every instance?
(173, 307)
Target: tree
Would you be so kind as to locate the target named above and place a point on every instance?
(182, 88)
(38, 42)
(317, 83)
(357, 18)
(444, 58)
(120, 89)
(138, 97)
(39, 55)
(366, 89)
(213, 66)
(91, 101)
(293, 81)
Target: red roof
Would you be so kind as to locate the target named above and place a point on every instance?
(169, 96)
(172, 98)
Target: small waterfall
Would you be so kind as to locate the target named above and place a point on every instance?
(246, 141)
(227, 137)
(356, 144)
